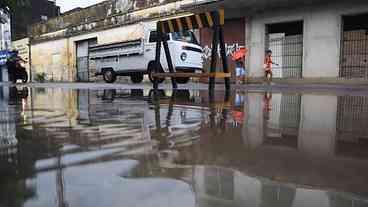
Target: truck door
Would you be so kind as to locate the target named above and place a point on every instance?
(150, 50)
(150, 47)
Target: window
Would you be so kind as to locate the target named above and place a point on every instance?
(109, 59)
(153, 36)
(44, 18)
(185, 36)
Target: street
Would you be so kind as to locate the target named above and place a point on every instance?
(108, 145)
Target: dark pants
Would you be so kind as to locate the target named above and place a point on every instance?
(268, 72)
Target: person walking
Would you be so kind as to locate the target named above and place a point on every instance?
(239, 58)
(268, 66)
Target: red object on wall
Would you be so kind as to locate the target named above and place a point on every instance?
(234, 32)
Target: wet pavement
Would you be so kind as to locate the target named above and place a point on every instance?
(68, 147)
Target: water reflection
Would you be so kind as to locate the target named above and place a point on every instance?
(214, 186)
(181, 148)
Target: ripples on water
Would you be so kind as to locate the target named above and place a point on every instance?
(136, 148)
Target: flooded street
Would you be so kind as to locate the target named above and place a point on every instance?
(94, 148)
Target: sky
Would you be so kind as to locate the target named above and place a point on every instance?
(66, 5)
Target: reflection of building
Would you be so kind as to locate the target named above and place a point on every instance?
(218, 186)
(281, 114)
(352, 122)
(8, 138)
(80, 118)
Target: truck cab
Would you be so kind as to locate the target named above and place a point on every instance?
(185, 51)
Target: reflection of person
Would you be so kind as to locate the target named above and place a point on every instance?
(267, 105)
(240, 71)
(268, 65)
(238, 110)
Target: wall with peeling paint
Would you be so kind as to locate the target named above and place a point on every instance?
(55, 55)
(53, 48)
(105, 15)
(52, 58)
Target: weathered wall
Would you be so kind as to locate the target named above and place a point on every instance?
(52, 58)
(22, 46)
(322, 30)
(53, 43)
(55, 55)
(108, 14)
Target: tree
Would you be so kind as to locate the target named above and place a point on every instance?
(9, 5)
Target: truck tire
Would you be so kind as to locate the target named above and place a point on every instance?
(109, 95)
(151, 69)
(25, 77)
(182, 80)
(136, 78)
(109, 76)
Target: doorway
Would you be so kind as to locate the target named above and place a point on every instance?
(82, 60)
(354, 48)
(286, 42)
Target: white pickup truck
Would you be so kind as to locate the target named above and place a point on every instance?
(136, 57)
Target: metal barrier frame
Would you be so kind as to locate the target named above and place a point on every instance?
(214, 20)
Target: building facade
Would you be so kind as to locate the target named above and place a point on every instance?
(54, 44)
(311, 40)
(5, 31)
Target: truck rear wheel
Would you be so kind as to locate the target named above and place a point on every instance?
(109, 76)
(151, 70)
(136, 78)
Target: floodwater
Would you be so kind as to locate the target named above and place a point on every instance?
(136, 148)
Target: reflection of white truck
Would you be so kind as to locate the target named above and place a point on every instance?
(136, 57)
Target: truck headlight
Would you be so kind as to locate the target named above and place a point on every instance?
(183, 56)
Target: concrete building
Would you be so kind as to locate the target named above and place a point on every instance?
(58, 44)
(321, 40)
(5, 32)
(322, 37)
(28, 14)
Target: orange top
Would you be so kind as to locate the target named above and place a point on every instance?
(238, 116)
(268, 63)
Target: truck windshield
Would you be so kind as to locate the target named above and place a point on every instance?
(185, 36)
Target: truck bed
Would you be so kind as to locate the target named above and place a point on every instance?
(128, 48)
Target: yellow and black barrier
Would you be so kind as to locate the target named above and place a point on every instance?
(214, 20)
(190, 22)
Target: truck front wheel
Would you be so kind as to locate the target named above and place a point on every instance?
(137, 78)
(24, 77)
(109, 76)
(151, 70)
(182, 80)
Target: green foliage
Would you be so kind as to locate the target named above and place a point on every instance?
(11, 5)
(40, 77)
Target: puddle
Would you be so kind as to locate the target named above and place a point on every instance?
(61, 147)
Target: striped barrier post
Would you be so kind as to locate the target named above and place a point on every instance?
(214, 20)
